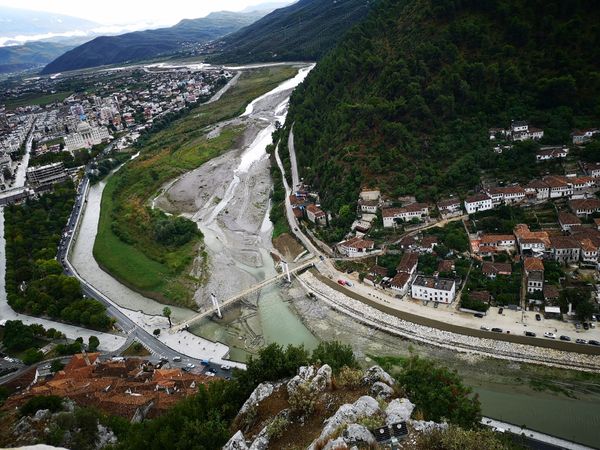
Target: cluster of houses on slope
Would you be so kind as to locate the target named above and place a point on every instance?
(519, 130)
(547, 188)
(575, 243)
(305, 204)
(427, 288)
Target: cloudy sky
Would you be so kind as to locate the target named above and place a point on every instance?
(110, 12)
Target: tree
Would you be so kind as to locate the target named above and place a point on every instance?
(439, 393)
(93, 343)
(156, 332)
(32, 356)
(334, 353)
(56, 365)
(167, 314)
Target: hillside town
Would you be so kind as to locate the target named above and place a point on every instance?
(531, 247)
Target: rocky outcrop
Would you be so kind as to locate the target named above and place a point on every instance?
(399, 410)
(262, 391)
(427, 427)
(376, 373)
(318, 380)
(357, 434)
(349, 413)
(237, 442)
(381, 390)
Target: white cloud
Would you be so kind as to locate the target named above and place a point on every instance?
(111, 12)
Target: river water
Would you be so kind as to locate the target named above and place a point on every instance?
(237, 238)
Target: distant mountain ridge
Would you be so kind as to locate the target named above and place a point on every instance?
(146, 44)
(15, 21)
(30, 55)
(305, 30)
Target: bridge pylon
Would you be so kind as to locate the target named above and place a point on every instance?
(285, 268)
(215, 302)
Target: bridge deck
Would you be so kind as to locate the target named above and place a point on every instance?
(241, 295)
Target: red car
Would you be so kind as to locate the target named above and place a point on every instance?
(342, 282)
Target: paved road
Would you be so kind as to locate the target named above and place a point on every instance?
(293, 160)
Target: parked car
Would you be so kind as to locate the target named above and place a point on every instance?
(341, 282)
(484, 328)
(565, 338)
(478, 315)
(530, 333)
(349, 283)
(500, 310)
(549, 335)
(581, 341)
(586, 326)
(176, 358)
(593, 342)
(578, 326)
(538, 317)
(497, 330)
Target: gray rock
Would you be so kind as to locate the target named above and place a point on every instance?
(381, 390)
(399, 410)
(261, 442)
(306, 372)
(237, 442)
(41, 414)
(22, 426)
(322, 380)
(427, 427)
(376, 373)
(349, 413)
(262, 391)
(105, 437)
(336, 444)
(358, 434)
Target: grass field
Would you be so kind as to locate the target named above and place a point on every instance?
(125, 246)
(36, 100)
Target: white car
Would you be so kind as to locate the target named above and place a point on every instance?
(191, 366)
(550, 335)
(484, 328)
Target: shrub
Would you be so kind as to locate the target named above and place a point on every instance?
(303, 400)
(276, 428)
(349, 378)
(34, 404)
(32, 356)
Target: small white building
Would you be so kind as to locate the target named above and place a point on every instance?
(478, 202)
(357, 246)
(440, 290)
(449, 208)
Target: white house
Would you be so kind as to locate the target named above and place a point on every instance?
(585, 206)
(401, 282)
(548, 153)
(592, 169)
(370, 194)
(449, 207)
(478, 202)
(315, 214)
(391, 216)
(440, 290)
(357, 246)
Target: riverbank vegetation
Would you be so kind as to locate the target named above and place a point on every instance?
(131, 243)
(35, 283)
(405, 100)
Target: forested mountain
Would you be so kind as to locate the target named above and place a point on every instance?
(23, 22)
(406, 98)
(150, 43)
(32, 54)
(302, 31)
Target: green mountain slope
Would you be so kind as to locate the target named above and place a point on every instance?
(150, 43)
(302, 31)
(406, 99)
(30, 55)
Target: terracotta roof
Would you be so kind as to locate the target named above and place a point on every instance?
(563, 242)
(315, 210)
(524, 235)
(400, 279)
(408, 262)
(551, 291)
(358, 243)
(379, 270)
(585, 204)
(493, 268)
(537, 184)
(415, 207)
(477, 198)
(566, 218)
(443, 204)
(428, 241)
(482, 296)
(494, 238)
(390, 212)
(533, 264)
(446, 266)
